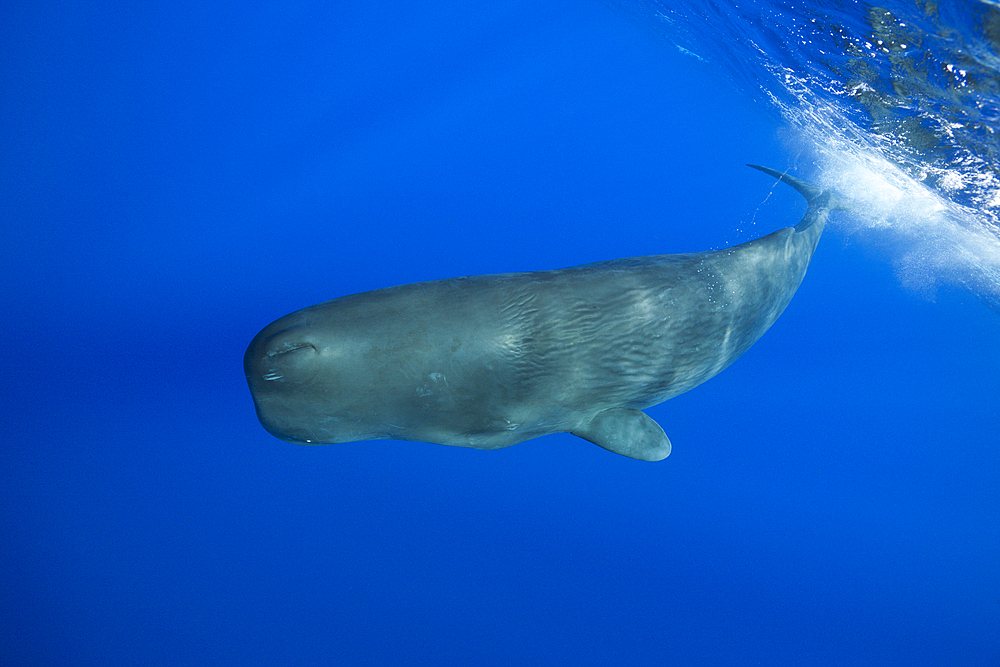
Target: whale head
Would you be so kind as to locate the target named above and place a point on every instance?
(307, 380)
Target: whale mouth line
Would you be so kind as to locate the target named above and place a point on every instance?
(288, 348)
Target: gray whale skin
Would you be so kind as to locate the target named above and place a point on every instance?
(490, 361)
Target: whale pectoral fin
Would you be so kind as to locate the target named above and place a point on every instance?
(627, 432)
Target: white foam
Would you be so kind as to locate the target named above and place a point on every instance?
(929, 239)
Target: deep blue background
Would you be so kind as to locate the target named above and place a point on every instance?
(174, 179)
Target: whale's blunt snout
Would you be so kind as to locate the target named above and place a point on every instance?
(282, 356)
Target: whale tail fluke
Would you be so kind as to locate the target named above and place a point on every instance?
(817, 197)
(807, 190)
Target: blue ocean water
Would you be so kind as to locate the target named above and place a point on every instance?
(173, 178)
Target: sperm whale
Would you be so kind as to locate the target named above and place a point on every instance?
(493, 360)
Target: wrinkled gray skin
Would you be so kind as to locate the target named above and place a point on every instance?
(491, 361)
